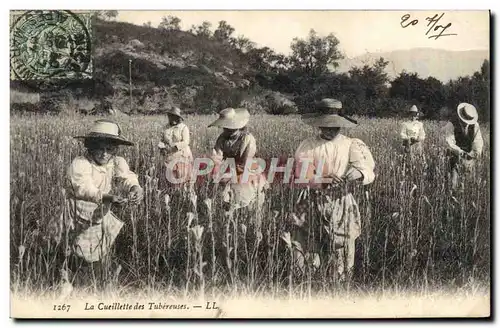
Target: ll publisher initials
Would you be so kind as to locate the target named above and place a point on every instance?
(214, 306)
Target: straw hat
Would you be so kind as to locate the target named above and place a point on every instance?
(232, 118)
(176, 111)
(467, 113)
(106, 129)
(329, 115)
(415, 110)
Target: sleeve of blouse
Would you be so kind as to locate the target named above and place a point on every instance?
(80, 181)
(164, 138)
(249, 148)
(185, 139)
(478, 142)
(217, 155)
(361, 159)
(303, 156)
(421, 135)
(124, 175)
(449, 138)
(403, 133)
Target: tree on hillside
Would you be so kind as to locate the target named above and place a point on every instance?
(482, 89)
(473, 89)
(406, 86)
(460, 90)
(428, 93)
(370, 81)
(147, 24)
(107, 14)
(223, 32)
(242, 43)
(170, 23)
(202, 30)
(433, 95)
(261, 59)
(313, 55)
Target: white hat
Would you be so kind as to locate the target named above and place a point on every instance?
(232, 118)
(414, 109)
(329, 115)
(467, 113)
(106, 129)
(176, 111)
(328, 120)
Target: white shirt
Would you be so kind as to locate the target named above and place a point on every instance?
(178, 136)
(337, 156)
(89, 181)
(413, 129)
(450, 142)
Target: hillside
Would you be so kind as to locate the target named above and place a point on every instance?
(168, 68)
(441, 64)
(203, 74)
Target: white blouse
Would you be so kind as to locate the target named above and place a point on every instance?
(178, 136)
(337, 156)
(413, 129)
(89, 181)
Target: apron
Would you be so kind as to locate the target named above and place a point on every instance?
(181, 170)
(242, 194)
(239, 195)
(334, 215)
(93, 242)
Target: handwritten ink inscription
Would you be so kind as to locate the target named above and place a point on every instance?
(436, 25)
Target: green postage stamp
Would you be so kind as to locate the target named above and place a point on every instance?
(50, 44)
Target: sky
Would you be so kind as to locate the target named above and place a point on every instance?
(359, 32)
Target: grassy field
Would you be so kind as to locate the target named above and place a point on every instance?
(418, 237)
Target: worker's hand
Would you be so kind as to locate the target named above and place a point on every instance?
(113, 199)
(335, 180)
(353, 174)
(469, 155)
(136, 195)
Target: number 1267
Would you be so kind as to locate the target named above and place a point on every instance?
(63, 307)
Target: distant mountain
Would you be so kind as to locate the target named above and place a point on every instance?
(441, 64)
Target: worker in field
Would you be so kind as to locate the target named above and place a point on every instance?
(238, 146)
(174, 145)
(463, 141)
(341, 163)
(413, 135)
(96, 181)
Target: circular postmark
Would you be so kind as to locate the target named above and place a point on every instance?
(50, 44)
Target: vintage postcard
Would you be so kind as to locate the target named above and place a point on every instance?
(250, 164)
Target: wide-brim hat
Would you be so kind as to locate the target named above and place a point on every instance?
(328, 121)
(329, 115)
(108, 130)
(467, 113)
(414, 110)
(232, 118)
(176, 111)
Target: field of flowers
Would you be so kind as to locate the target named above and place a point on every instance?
(415, 234)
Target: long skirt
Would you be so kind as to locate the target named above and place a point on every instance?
(93, 242)
(248, 197)
(413, 153)
(240, 195)
(178, 170)
(84, 251)
(327, 225)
